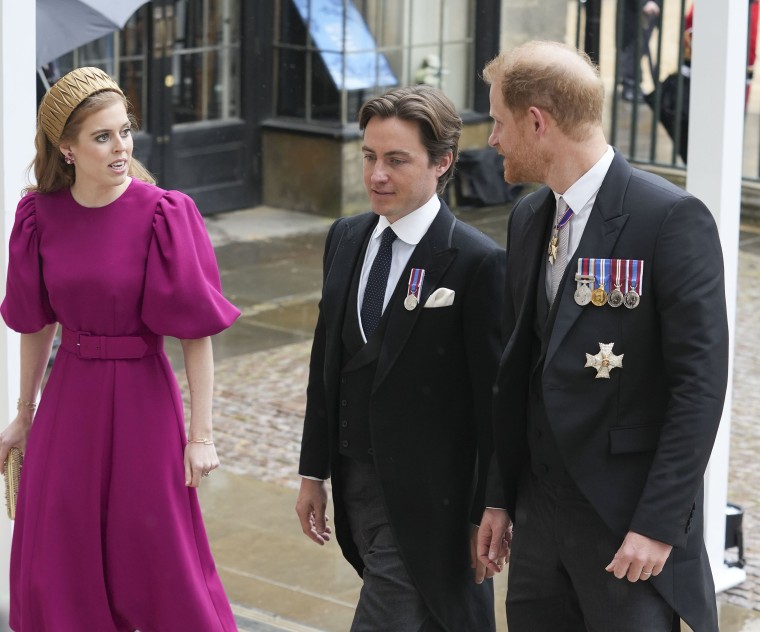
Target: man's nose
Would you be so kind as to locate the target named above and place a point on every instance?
(493, 139)
(379, 173)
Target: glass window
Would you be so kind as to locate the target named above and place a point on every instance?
(202, 42)
(122, 54)
(206, 60)
(331, 55)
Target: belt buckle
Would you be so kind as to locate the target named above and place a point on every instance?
(89, 351)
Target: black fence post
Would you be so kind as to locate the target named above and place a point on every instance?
(592, 41)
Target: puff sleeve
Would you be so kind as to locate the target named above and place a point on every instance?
(183, 293)
(26, 307)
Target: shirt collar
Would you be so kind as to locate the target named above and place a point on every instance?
(586, 187)
(412, 227)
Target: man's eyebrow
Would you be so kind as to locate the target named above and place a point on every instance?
(392, 152)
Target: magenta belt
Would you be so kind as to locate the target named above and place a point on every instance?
(90, 347)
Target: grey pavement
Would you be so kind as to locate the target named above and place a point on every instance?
(270, 262)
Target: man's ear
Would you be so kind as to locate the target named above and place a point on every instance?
(444, 163)
(538, 120)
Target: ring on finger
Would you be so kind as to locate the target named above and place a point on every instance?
(646, 573)
(205, 474)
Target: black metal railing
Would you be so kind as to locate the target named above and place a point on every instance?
(648, 110)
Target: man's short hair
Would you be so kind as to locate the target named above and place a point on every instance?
(438, 121)
(553, 77)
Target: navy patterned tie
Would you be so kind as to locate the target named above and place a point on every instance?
(377, 282)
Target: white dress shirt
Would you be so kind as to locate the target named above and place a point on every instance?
(581, 197)
(409, 230)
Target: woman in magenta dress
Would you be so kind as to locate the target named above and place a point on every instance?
(108, 534)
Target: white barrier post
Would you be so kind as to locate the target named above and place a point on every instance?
(17, 125)
(716, 131)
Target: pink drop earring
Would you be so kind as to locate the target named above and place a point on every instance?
(69, 158)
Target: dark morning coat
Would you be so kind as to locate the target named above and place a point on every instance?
(430, 408)
(637, 444)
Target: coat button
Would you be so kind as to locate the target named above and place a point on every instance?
(344, 423)
(344, 443)
(343, 402)
(370, 451)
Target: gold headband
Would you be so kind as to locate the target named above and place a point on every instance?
(66, 94)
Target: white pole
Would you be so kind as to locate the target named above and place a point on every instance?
(17, 125)
(716, 130)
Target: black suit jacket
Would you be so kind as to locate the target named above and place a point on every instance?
(637, 445)
(430, 409)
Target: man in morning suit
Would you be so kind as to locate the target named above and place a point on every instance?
(399, 399)
(611, 386)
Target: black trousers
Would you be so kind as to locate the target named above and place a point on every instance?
(557, 580)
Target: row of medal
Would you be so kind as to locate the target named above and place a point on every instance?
(612, 282)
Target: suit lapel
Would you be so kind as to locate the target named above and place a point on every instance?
(605, 223)
(532, 242)
(338, 283)
(433, 254)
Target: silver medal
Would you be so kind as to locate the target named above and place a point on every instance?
(631, 299)
(582, 294)
(615, 298)
(583, 291)
(410, 302)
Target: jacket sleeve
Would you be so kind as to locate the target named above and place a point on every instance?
(315, 442)
(482, 326)
(688, 287)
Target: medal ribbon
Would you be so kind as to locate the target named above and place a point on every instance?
(416, 277)
(618, 264)
(600, 274)
(565, 219)
(635, 268)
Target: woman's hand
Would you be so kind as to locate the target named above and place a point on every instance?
(14, 436)
(200, 461)
(200, 454)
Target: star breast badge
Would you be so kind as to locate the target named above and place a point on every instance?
(605, 360)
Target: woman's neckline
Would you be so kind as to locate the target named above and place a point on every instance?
(103, 206)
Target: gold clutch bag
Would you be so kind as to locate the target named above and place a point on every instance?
(12, 472)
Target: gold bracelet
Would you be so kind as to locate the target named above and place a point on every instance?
(204, 441)
(21, 403)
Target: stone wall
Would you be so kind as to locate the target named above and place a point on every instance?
(322, 174)
(523, 20)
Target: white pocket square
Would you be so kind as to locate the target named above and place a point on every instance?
(442, 297)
